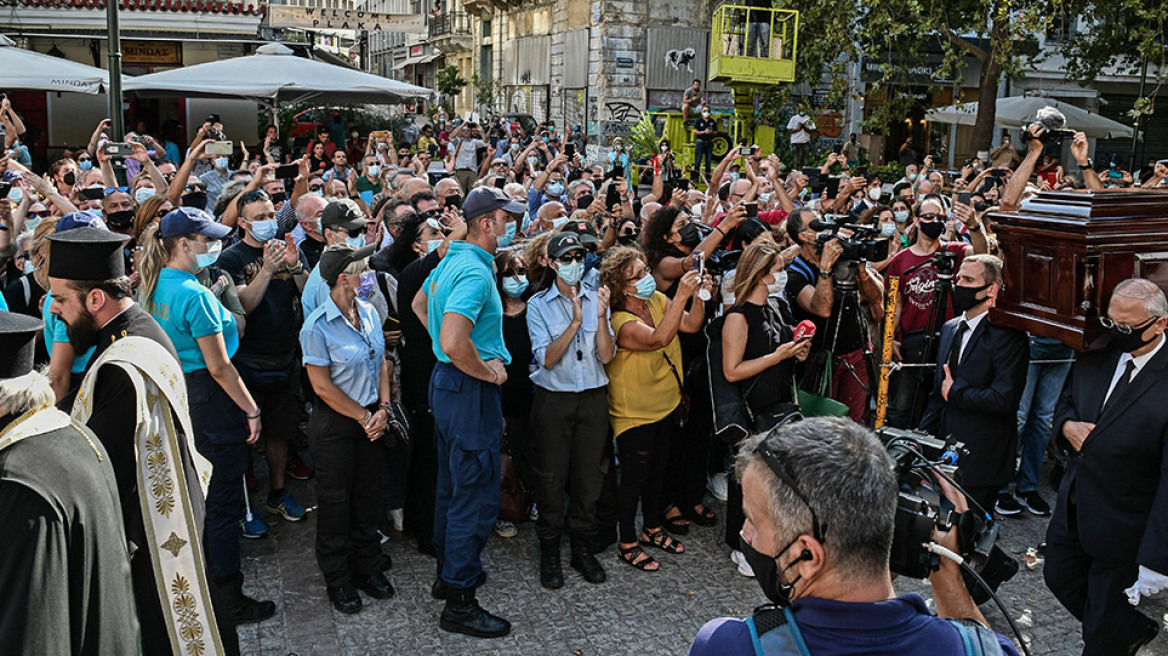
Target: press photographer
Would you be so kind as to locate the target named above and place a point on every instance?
(820, 498)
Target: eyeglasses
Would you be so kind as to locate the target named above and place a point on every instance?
(161, 213)
(570, 258)
(315, 187)
(1123, 328)
(818, 531)
(930, 217)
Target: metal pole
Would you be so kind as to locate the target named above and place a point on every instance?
(114, 47)
(1131, 166)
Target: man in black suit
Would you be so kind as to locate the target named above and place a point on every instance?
(981, 373)
(1110, 527)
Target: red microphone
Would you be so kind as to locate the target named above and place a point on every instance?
(806, 328)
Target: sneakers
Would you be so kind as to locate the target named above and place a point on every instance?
(716, 484)
(1007, 504)
(1033, 502)
(297, 469)
(253, 529)
(533, 514)
(505, 529)
(287, 506)
(739, 559)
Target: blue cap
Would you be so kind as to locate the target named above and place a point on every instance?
(191, 221)
(488, 199)
(80, 220)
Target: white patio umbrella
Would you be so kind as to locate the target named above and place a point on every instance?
(26, 70)
(1016, 111)
(271, 76)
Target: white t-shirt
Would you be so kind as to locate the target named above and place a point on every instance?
(797, 121)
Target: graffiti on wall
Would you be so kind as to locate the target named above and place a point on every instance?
(623, 112)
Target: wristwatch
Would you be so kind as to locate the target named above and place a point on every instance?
(824, 273)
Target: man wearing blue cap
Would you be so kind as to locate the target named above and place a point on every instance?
(462, 308)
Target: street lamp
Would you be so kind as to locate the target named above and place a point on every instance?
(114, 48)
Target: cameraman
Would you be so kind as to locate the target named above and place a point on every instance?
(820, 499)
(811, 290)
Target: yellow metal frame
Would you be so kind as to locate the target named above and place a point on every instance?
(731, 22)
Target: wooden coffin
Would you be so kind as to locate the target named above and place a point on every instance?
(1064, 251)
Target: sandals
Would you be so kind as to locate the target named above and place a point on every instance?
(678, 524)
(630, 554)
(662, 541)
(704, 518)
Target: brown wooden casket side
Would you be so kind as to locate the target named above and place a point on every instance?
(1064, 251)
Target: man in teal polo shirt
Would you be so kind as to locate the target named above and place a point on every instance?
(465, 317)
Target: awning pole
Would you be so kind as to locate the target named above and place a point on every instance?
(114, 46)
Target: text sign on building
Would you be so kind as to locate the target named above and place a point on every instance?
(316, 18)
(151, 52)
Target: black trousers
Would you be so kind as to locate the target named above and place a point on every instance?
(422, 480)
(1092, 590)
(644, 456)
(517, 443)
(735, 515)
(569, 430)
(685, 484)
(909, 388)
(348, 493)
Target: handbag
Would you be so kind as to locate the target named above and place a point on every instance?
(513, 498)
(397, 426)
(819, 404)
(680, 414)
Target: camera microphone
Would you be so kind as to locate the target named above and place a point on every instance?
(1051, 119)
(820, 225)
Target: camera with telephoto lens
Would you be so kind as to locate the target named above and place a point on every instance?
(722, 262)
(1054, 124)
(916, 457)
(863, 245)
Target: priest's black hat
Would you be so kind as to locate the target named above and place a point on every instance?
(17, 343)
(86, 254)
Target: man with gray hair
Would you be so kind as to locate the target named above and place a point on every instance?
(820, 500)
(1110, 527)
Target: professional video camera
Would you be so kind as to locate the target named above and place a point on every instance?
(861, 246)
(917, 457)
(722, 262)
(1055, 124)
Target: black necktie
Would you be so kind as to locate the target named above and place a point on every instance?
(955, 349)
(1120, 386)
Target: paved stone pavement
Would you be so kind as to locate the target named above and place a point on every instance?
(632, 613)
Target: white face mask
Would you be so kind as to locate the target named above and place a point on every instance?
(775, 288)
(875, 192)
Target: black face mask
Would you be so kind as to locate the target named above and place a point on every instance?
(70, 178)
(965, 298)
(454, 200)
(690, 236)
(195, 199)
(628, 240)
(120, 220)
(932, 229)
(584, 202)
(279, 197)
(1134, 340)
(766, 571)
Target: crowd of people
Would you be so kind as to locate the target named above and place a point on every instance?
(391, 314)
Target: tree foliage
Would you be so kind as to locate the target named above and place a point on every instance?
(449, 83)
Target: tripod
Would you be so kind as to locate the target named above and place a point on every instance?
(946, 264)
(847, 308)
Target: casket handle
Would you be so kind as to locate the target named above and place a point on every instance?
(1088, 286)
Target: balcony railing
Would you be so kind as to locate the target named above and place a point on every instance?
(455, 23)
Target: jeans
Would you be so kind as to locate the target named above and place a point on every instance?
(702, 149)
(758, 37)
(1044, 383)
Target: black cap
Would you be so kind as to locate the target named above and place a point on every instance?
(482, 200)
(584, 229)
(86, 254)
(343, 216)
(562, 243)
(335, 259)
(17, 343)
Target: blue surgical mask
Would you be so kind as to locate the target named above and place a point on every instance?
(645, 287)
(85, 165)
(16, 195)
(356, 242)
(433, 245)
(204, 260)
(912, 177)
(559, 223)
(887, 229)
(29, 267)
(264, 231)
(514, 148)
(93, 211)
(221, 163)
(368, 280)
(143, 194)
(901, 216)
(373, 171)
(545, 140)
(514, 286)
(555, 189)
(506, 239)
(30, 224)
(734, 177)
(571, 273)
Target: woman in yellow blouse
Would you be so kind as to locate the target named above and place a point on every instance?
(644, 390)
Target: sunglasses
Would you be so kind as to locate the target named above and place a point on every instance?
(315, 187)
(114, 190)
(198, 186)
(82, 159)
(356, 232)
(570, 258)
(40, 215)
(161, 213)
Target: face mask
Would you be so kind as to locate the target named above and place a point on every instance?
(143, 194)
(775, 288)
(584, 202)
(900, 216)
(766, 572)
(874, 193)
(514, 286)
(85, 165)
(31, 223)
(628, 240)
(195, 199)
(16, 195)
(1132, 341)
(93, 211)
(204, 260)
(514, 148)
(221, 163)
(534, 161)
(545, 140)
(555, 190)
(70, 178)
(120, 220)
(368, 280)
(705, 115)
(409, 121)
(734, 177)
(29, 267)
(263, 231)
(932, 229)
(433, 245)
(506, 239)
(965, 298)
(912, 177)
(373, 171)
(690, 237)
(887, 229)
(571, 273)
(356, 242)
(354, 134)
(645, 287)
(559, 223)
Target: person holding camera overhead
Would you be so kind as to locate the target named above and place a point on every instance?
(820, 498)
(572, 341)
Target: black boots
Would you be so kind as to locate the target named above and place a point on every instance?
(243, 609)
(345, 598)
(463, 614)
(583, 560)
(440, 590)
(375, 585)
(551, 573)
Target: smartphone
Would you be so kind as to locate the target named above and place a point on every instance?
(697, 262)
(570, 150)
(963, 197)
(1114, 174)
(118, 149)
(500, 181)
(220, 148)
(391, 324)
(751, 210)
(612, 196)
(91, 193)
(214, 119)
(5, 187)
(682, 184)
(287, 171)
(998, 173)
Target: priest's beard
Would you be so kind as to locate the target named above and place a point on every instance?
(82, 332)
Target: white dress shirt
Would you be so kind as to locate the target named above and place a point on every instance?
(972, 326)
(1122, 365)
